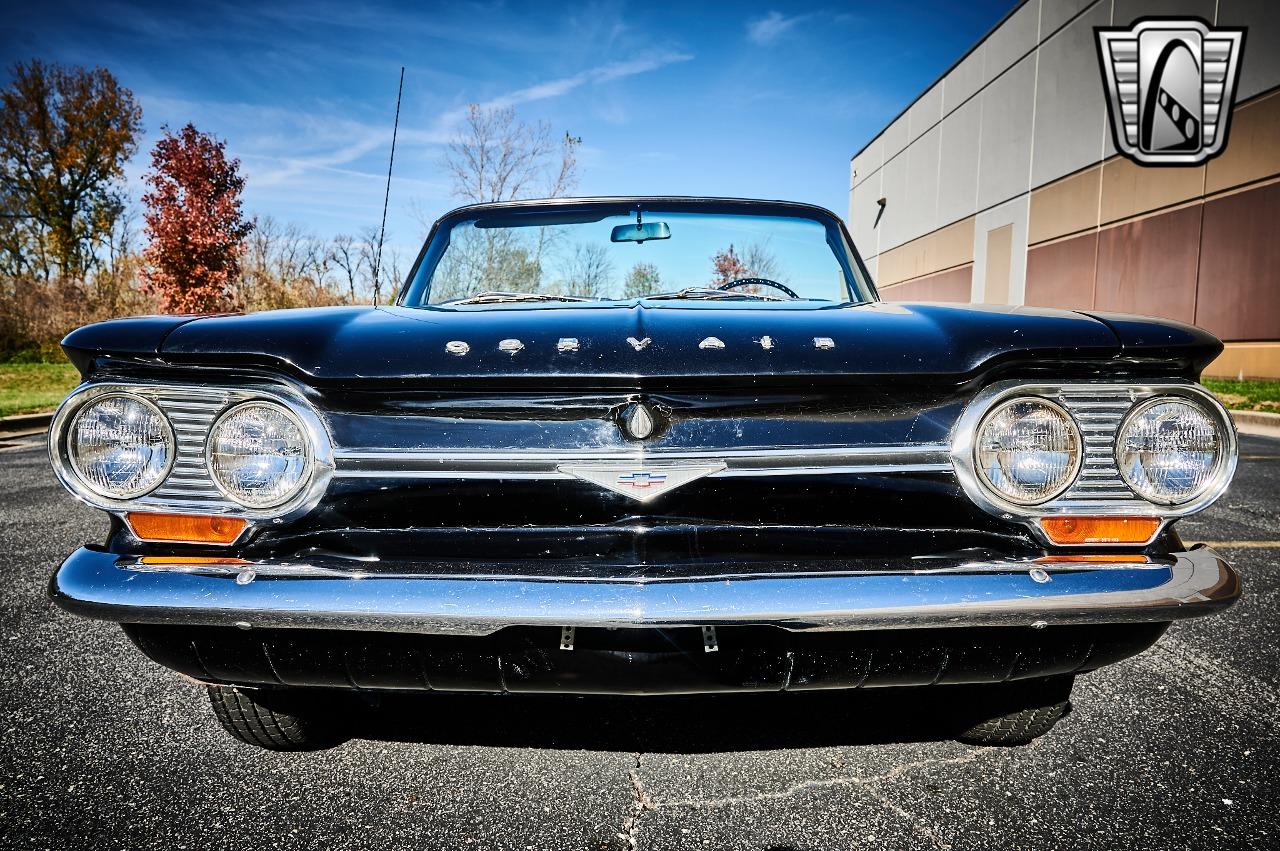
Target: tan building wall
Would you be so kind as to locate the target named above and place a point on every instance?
(1015, 194)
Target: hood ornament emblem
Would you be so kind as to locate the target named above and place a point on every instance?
(637, 421)
(641, 482)
(639, 345)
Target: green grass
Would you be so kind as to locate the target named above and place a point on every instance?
(1246, 395)
(29, 387)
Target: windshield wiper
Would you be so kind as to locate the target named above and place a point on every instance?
(499, 297)
(712, 294)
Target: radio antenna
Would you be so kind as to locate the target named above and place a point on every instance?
(386, 198)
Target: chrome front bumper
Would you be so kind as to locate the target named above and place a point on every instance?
(313, 596)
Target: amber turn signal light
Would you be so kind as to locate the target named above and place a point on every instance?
(185, 528)
(1100, 530)
(193, 561)
(1088, 558)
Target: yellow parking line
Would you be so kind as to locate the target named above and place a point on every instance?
(1242, 544)
(12, 447)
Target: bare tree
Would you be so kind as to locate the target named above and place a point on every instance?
(757, 260)
(390, 274)
(565, 179)
(761, 262)
(114, 280)
(589, 271)
(495, 156)
(284, 266)
(490, 259)
(344, 254)
(316, 262)
(393, 273)
(368, 252)
(423, 216)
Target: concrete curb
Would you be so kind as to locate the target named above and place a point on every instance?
(25, 422)
(1257, 422)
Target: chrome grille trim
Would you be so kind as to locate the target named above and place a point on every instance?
(535, 464)
(192, 412)
(1098, 413)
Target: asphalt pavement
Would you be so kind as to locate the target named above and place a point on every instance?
(100, 748)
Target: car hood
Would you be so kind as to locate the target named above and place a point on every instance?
(635, 342)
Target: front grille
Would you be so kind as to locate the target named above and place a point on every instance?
(438, 468)
(191, 411)
(1098, 412)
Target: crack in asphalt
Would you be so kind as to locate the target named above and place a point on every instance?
(805, 785)
(917, 826)
(643, 802)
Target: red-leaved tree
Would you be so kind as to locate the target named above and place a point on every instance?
(194, 223)
(727, 266)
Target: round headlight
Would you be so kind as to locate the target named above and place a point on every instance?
(1169, 450)
(120, 446)
(259, 454)
(1028, 450)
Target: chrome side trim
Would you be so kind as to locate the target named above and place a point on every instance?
(542, 464)
(106, 586)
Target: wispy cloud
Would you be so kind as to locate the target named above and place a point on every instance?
(304, 141)
(440, 132)
(564, 85)
(771, 27)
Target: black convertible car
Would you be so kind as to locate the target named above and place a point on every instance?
(641, 446)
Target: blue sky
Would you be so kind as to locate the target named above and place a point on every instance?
(747, 99)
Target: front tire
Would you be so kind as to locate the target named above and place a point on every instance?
(278, 720)
(1018, 713)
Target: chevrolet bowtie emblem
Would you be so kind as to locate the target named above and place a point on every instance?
(641, 482)
(642, 478)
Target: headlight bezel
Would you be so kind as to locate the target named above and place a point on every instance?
(70, 451)
(1224, 464)
(1073, 428)
(1109, 400)
(185, 404)
(307, 445)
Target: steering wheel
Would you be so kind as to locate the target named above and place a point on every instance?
(758, 282)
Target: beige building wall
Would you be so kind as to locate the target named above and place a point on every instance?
(1001, 183)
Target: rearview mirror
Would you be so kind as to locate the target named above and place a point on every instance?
(641, 232)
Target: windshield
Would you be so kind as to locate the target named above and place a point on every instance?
(596, 255)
